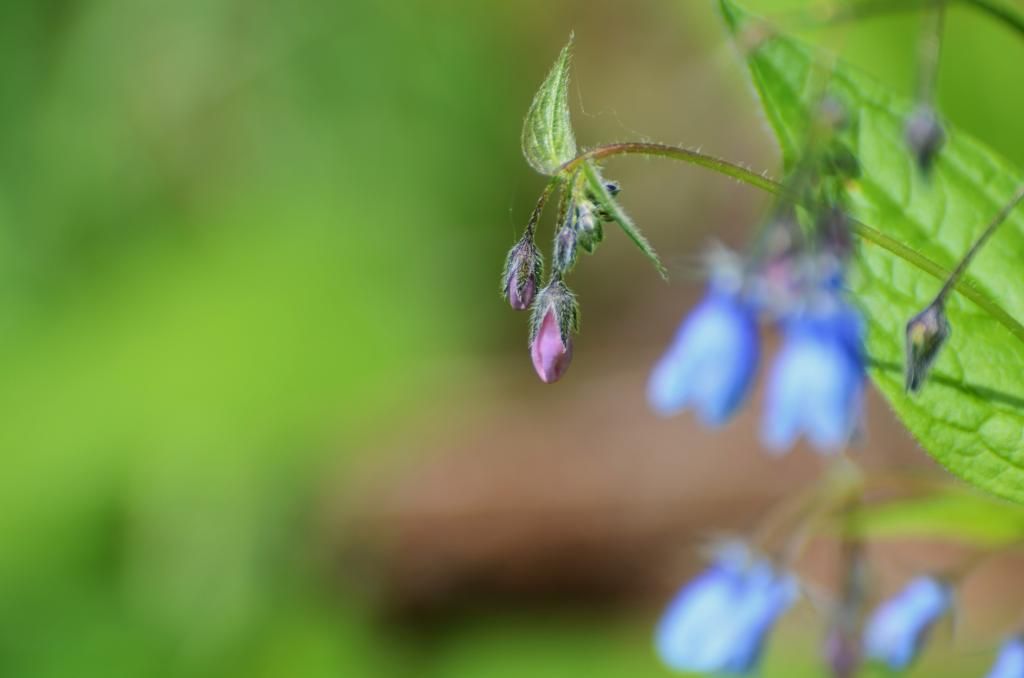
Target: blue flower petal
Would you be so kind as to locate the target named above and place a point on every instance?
(1010, 662)
(718, 623)
(898, 628)
(711, 362)
(816, 384)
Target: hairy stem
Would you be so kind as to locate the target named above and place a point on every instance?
(863, 231)
(538, 210)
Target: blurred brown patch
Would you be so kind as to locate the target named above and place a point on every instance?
(575, 493)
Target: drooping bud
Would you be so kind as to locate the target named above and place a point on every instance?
(523, 268)
(927, 333)
(588, 227)
(925, 136)
(585, 220)
(555, 319)
(565, 249)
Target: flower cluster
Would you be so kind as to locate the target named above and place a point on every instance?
(719, 622)
(792, 279)
(816, 384)
(555, 312)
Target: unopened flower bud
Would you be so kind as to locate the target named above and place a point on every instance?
(613, 188)
(588, 227)
(927, 332)
(565, 249)
(523, 268)
(555, 318)
(585, 220)
(925, 136)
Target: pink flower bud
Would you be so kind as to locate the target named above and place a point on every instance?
(522, 271)
(551, 357)
(519, 300)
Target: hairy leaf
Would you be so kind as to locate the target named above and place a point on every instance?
(548, 140)
(970, 415)
(608, 203)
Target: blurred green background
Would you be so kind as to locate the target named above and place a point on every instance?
(248, 286)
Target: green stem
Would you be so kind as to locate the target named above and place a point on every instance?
(676, 153)
(996, 10)
(538, 210)
(865, 232)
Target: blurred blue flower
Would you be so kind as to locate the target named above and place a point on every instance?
(719, 621)
(816, 386)
(711, 361)
(898, 628)
(1010, 663)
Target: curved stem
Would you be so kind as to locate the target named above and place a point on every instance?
(538, 210)
(865, 232)
(676, 153)
(999, 12)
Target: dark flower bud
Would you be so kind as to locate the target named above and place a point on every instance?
(925, 136)
(613, 188)
(555, 318)
(927, 332)
(565, 249)
(523, 268)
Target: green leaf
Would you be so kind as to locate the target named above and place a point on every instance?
(970, 415)
(548, 140)
(953, 515)
(608, 203)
